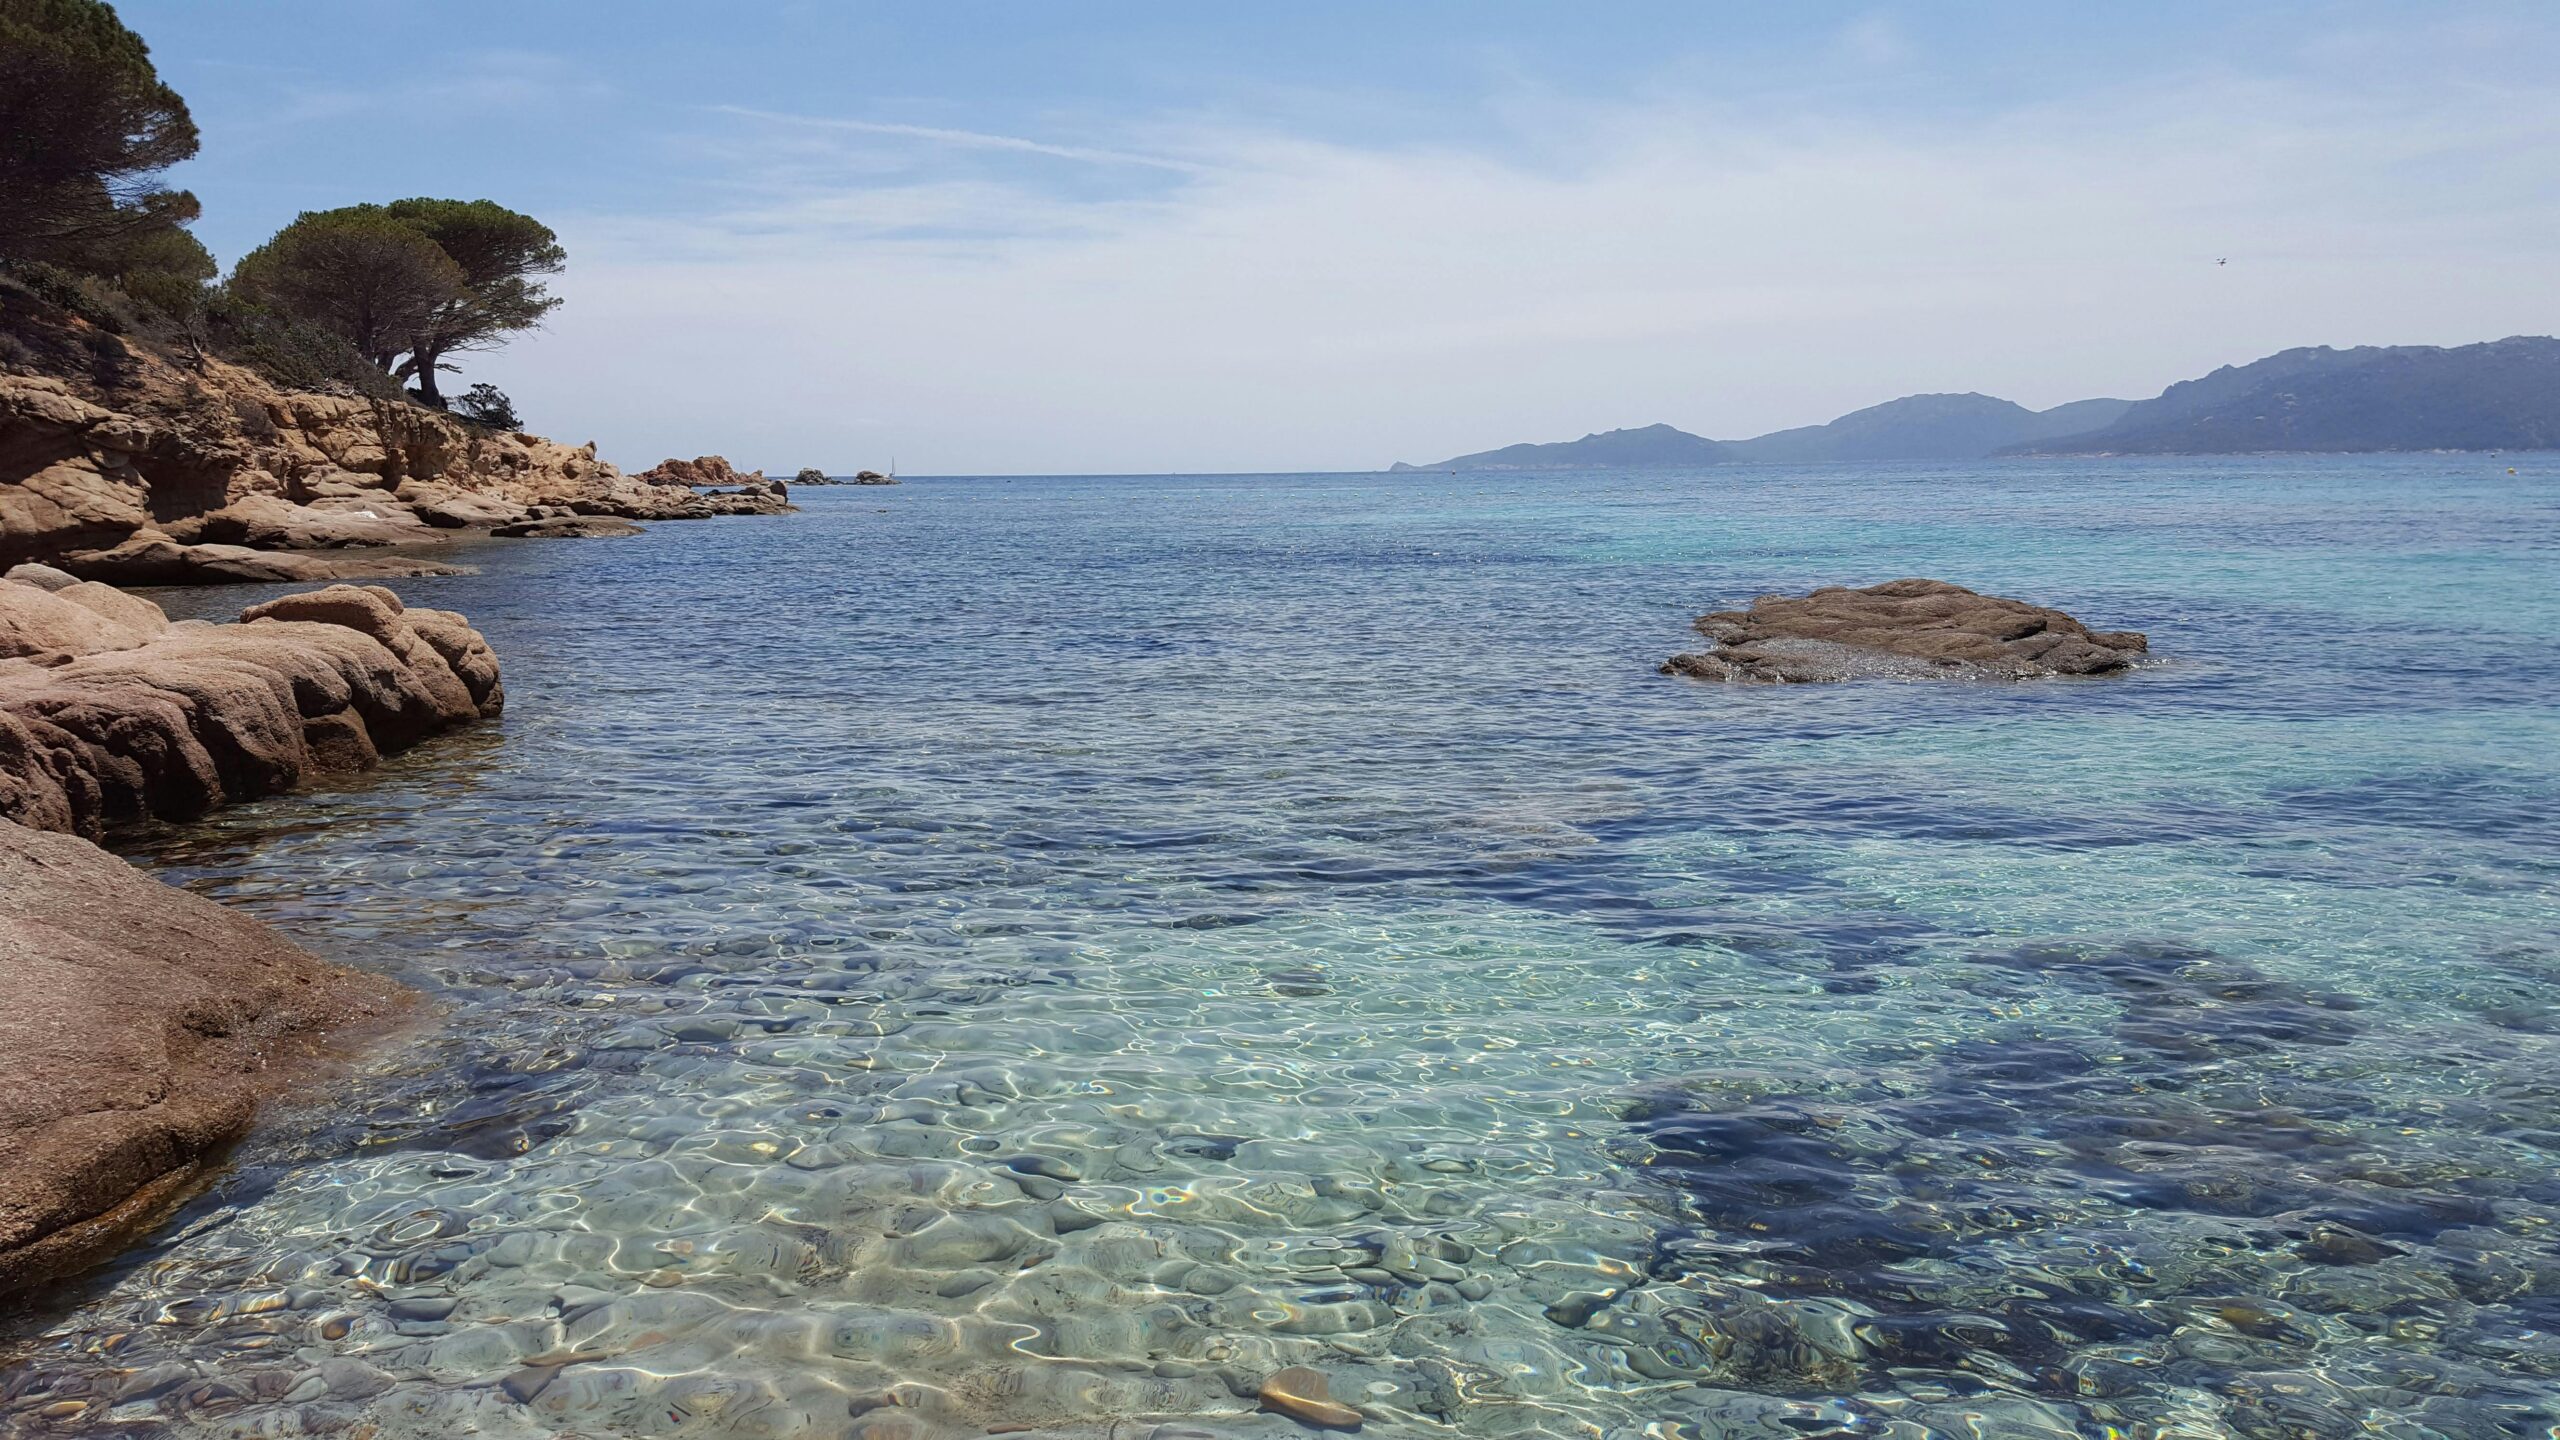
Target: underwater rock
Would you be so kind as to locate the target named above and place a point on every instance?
(1904, 629)
(1304, 1396)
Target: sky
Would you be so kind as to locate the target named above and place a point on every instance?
(1024, 237)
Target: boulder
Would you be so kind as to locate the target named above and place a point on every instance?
(36, 623)
(148, 720)
(374, 611)
(139, 1025)
(466, 652)
(446, 508)
(1904, 629)
(43, 577)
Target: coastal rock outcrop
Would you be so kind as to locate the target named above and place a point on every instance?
(702, 470)
(156, 472)
(140, 1025)
(1905, 629)
(110, 714)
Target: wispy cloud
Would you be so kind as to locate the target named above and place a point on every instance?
(965, 139)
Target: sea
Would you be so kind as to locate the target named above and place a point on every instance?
(1041, 955)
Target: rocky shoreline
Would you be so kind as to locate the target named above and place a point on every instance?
(207, 473)
(111, 714)
(141, 1023)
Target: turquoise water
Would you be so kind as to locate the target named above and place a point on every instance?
(1041, 955)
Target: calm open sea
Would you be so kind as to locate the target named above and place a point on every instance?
(996, 955)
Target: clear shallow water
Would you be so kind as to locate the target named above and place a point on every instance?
(999, 954)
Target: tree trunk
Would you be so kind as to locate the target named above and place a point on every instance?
(427, 390)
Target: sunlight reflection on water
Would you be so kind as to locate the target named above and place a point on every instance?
(1048, 954)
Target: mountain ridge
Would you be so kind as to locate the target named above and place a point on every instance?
(2494, 395)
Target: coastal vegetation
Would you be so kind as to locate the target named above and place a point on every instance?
(409, 283)
(87, 128)
(161, 425)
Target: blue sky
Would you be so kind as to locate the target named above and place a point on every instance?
(1043, 237)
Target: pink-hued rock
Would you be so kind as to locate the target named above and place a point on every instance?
(107, 719)
(270, 522)
(701, 470)
(78, 619)
(139, 1026)
(1903, 629)
(148, 557)
(207, 473)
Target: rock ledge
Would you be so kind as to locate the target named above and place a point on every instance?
(110, 714)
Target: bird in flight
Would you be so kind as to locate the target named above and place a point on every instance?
(2222, 260)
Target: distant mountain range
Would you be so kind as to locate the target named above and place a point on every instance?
(1931, 427)
(2501, 395)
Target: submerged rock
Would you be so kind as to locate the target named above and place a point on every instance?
(1304, 1396)
(1911, 629)
(138, 1025)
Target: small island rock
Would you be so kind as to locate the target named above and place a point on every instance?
(1903, 629)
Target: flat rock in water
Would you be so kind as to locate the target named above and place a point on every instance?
(567, 527)
(1303, 1396)
(1904, 629)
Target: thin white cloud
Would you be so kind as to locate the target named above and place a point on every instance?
(964, 139)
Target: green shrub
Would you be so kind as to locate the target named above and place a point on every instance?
(486, 405)
(293, 355)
